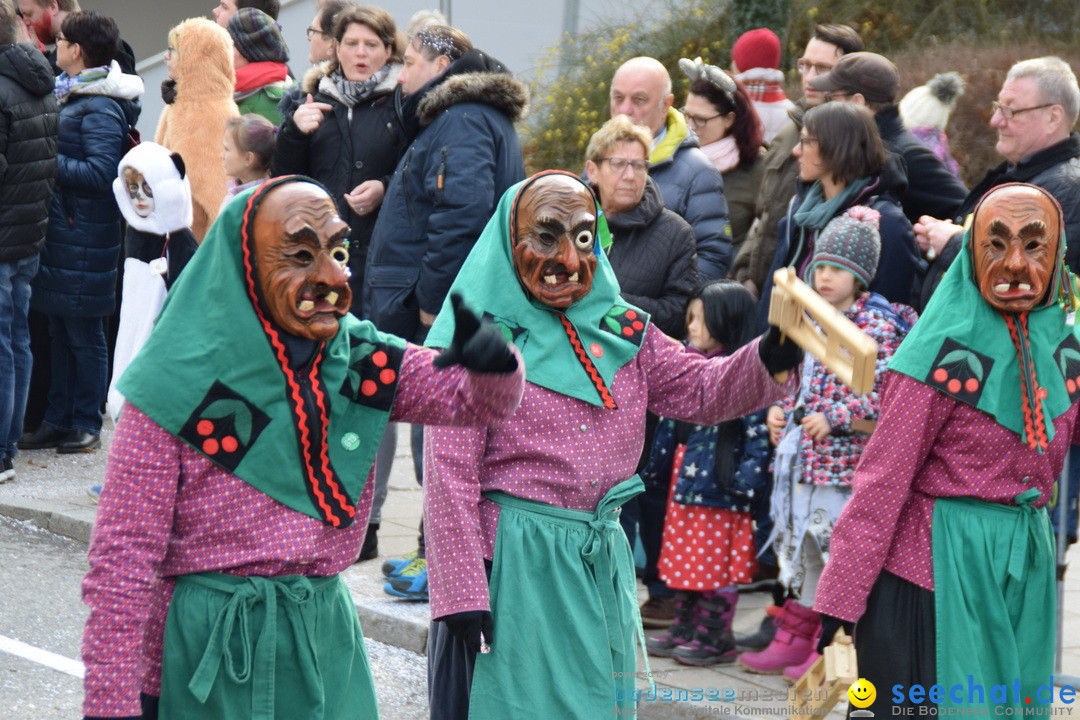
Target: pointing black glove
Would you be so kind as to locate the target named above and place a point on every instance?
(778, 355)
(829, 626)
(467, 627)
(477, 345)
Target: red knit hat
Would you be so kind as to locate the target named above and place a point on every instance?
(758, 48)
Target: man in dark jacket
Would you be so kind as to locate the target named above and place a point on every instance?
(75, 285)
(689, 183)
(827, 45)
(27, 174)
(871, 80)
(460, 105)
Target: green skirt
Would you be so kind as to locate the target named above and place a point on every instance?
(287, 648)
(564, 602)
(994, 603)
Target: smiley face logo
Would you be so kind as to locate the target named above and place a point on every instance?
(862, 693)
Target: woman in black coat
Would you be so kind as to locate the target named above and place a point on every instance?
(653, 251)
(346, 134)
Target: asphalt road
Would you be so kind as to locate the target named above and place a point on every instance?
(41, 619)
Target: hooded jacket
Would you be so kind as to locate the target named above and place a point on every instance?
(77, 276)
(165, 231)
(351, 146)
(693, 189)
(28, 123)
(194, 124)
(899, 254)
(445, 188)
(654, 258)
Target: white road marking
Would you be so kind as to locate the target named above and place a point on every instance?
(41, 657)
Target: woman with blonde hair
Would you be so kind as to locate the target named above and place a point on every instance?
(199, 99)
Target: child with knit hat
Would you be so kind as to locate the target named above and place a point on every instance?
(820, 433)
(260, 54)
(925, 112)
(755, 62)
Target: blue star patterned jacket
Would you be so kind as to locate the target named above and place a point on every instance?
(724, 465)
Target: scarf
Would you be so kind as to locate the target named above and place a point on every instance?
(724, 153)
(677, 131)
(296, 419)
(815, 212)
(66, 84)
(575, 352)
(256, 75)
(1022, 369)
(351, 93)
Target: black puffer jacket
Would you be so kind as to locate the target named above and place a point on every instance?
(655, 261)
(1056, 169)
(931, 189)
(28, 122)
(350, 147)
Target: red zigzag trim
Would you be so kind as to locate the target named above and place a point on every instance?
(583, 358)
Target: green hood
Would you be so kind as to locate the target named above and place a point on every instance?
(216, 373)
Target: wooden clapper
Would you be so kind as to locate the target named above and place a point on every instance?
(827, 681)
(836, 341)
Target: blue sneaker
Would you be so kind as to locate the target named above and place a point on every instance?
(411, 582)
(94, 493)
(393, 567)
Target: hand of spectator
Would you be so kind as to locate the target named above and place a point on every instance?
(932, 234)
(816, 426)
(775, 421)
(366, 197)
(468, 627)
(477, 345)
(427, 319)
(310, 115)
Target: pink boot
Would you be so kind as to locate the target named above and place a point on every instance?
(796, 627)
(793, 673)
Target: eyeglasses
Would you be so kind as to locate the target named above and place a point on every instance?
(696, 120)
(836, 95)
(804, 141)
(618, 165)
(311, 32)
(169, 52)
(60, 37)
(805, 66)
(1009, 113)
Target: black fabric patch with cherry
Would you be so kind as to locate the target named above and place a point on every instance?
(224, 426)
(626, 323)
(374, 369)
(1067, 359)
(960, 372)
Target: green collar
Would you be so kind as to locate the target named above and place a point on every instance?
(575, 353)
(216, 373)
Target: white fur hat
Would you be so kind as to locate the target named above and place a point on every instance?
(932, 103)
(163, 171)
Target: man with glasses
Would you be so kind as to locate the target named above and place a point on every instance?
(827, 45)
(689, 183)
(872, 80)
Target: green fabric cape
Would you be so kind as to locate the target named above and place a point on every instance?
(609, 330)
(962, 347)
(215, 373)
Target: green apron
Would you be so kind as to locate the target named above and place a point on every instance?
(994, 602)
(286, 647)
(564, 602)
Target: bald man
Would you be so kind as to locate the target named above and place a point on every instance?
(690, 185)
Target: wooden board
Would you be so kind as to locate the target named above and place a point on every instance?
(826, 682)
(836, 341)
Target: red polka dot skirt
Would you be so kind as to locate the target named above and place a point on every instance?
(704, 548)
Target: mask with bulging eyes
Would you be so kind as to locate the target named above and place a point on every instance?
(554, 242)
(1015, 236)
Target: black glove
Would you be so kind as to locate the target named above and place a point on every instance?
(477, 345)
(467, 626)
(776, 355)
(829, 626)
(168, 91)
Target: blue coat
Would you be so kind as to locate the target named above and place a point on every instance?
(442, 195)
(77, 276)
